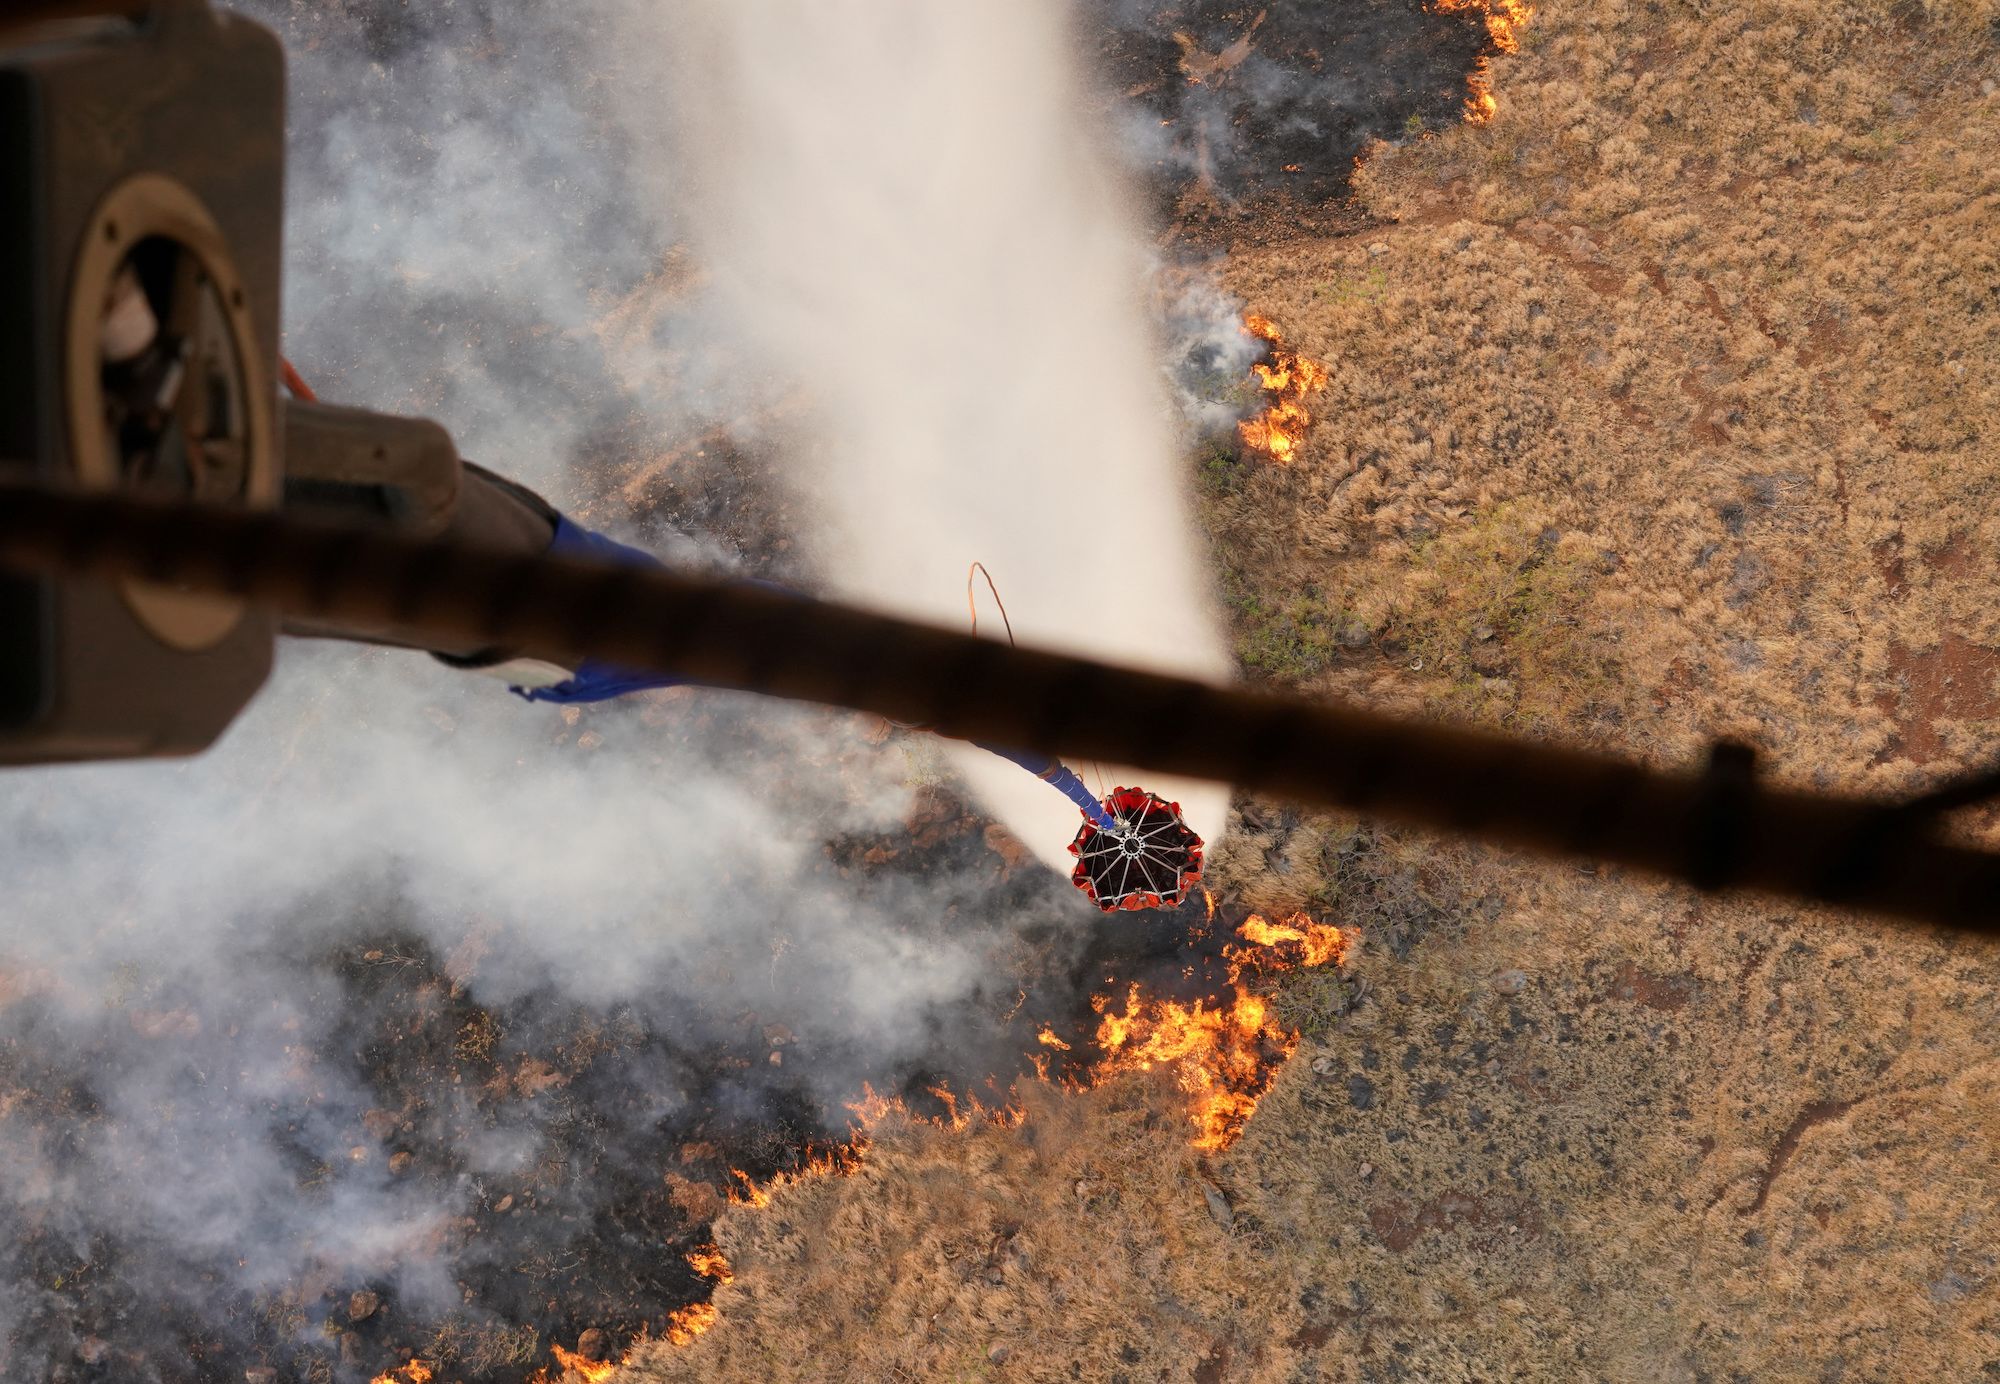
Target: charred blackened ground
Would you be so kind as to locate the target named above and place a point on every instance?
(1236, 109)
(551, 1159)
(619, 1130)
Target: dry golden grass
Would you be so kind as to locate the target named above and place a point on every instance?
(1664, 410)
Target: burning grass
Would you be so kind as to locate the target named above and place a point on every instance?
(1284, 382)
(1216, 1047)
(1505, 21)
(1647, 425)
(1223, 1051)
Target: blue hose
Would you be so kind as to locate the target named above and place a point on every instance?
(1061, 777)
(596, 681)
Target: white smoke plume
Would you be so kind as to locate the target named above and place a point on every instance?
(903, 211)
(906, 208)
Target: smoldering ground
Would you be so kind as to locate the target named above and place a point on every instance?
(1236, 112)
(285, 1022)
(415, 1018)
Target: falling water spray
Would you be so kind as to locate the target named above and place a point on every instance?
(908, 210)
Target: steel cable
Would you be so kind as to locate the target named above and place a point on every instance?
(1715, 828)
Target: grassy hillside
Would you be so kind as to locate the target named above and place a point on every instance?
(1662, 408)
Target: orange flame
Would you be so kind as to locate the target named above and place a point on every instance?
(582, 1366)
(1224, 1052)
(748, 1193)
(414, 1372)
(708, 1261)
(1504, 21)
(690, 1321)
(1318, 942)
(1290, 378)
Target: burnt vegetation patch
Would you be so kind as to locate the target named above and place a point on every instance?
(555, 1160)
(1235, 110)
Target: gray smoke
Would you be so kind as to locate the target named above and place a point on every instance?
(484, 209)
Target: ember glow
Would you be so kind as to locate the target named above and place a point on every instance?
(1504, 21)
(1287, 382)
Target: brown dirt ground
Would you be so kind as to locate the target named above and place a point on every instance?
(1661, 409)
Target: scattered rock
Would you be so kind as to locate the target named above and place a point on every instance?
(777, 1035)
(92, 1349)
(1360, 1092)
(1489, 658)
(1355, 635)
(260, 1374)
(1511, 982)
(350, 1348)
(777, 1057)
(589, 740)
(1378, 248)
(998, 1355)
(593, 1344)
(1367, 1170)
(504, 1205)
(363, 1305)
(1989, 88)
(400, 1160)
(1325, 1065)
(1483, 631)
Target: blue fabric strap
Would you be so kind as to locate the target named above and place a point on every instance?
(596, 681)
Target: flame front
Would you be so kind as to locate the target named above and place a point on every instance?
(1224, 1052)
(414, 1372)
(1223, 1049)
(582, 1366)
(1318, 942)
(690, 1321)
(1289, 379)
(708, 1261)
(1504, 21)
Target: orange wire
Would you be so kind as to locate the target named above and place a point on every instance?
(296, 382)
(979, 568)
(972, 606)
